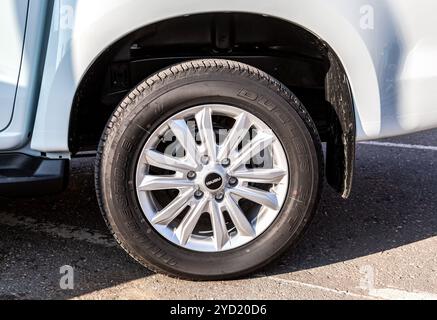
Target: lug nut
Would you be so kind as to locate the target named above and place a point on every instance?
(220, 196)
(233, 181)
(205, 160)
(191, 175)
(226, 163)
(199, 194)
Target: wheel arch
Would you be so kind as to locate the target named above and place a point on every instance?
(66, 73)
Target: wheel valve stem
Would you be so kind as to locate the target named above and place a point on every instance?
(205, 160)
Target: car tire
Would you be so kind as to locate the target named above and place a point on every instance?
(224, 87)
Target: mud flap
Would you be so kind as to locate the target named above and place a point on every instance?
(342, 141)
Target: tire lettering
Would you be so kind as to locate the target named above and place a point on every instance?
(254, 97)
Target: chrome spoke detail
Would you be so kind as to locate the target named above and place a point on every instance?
(244, 227)
(174, 209)
(235, 136)
(206, 132)
(220, 230)
(162, 161)
(154, 183)
(211, 179)
(184, 136)
(186, 227)
(268, 199)
(264, 176)
(261, 142)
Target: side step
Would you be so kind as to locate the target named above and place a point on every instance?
(23, 175)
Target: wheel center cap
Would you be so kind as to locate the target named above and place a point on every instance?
(214, 181)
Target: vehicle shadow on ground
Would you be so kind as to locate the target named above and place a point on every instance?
(393, 204)
(30, 260)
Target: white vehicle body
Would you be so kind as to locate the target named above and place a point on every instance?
(387, 47)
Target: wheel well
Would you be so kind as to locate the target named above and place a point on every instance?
(293, 55)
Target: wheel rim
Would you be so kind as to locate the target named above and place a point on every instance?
(212, 178)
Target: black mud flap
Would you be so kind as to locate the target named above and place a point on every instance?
(342, 141)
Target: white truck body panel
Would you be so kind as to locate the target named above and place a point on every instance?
(387, 47)
(12, 31)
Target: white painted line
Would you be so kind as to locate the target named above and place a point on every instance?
(58, 230)
(399, 145)
(320, 288)
(396, 294)
(374, 294)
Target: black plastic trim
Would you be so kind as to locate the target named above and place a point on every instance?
(340, 160)
(24, 175)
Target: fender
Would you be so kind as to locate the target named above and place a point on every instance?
(73, 48)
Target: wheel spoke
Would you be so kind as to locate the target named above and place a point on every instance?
(154, 183)
(260, 143)
(221, 233)
(265, 176)
(186, 227)
(163, 161)
(240, 221)
(174, 209)
(206, 131)
(263, 198)
(235, 136)
(177, 178)
(183, 134)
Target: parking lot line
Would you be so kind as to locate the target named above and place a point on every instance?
(399, 145)
(396, 294)
(321, 288)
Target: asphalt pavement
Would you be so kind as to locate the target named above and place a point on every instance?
(380, 244)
